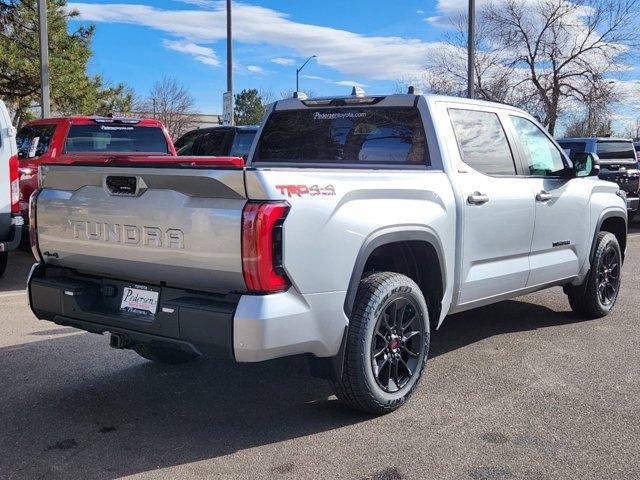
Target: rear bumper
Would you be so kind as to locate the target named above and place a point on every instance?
(247, 328)
(197, 322)
(15, 236)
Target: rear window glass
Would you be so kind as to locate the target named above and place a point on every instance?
(115, 138)
(379, 136)
(616, 150)
(33, 141)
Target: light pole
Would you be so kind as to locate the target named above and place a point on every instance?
(471, 49)
(45, 87)
(298, 70)
(228, 96)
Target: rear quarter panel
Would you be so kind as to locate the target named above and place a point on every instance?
(325, 231)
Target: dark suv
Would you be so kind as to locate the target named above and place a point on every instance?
(217, 142)
(618, 163)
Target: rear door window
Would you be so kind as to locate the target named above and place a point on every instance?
(33, 141)
(615, 150)
(482, 141)
(212, 143)
(184, 145)
(348, 136)
(242, 144)
(111, 138)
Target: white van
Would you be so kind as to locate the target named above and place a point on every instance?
(10, 219)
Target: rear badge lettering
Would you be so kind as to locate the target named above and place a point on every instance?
(302, 190)
(152, 237)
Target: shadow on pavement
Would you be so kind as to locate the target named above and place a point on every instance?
(509, 316)
(15, 277)
(79, 409)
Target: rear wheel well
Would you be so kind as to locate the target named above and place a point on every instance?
(419, 261)
(618, 227)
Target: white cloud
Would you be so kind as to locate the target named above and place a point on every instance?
(420, 12)
(316, 77)
(349, 83)
(255, 69)
(340, 83)
(283, 61)
(198, 52)
(353, 54)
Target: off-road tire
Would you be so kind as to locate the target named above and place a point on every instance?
(4, 258)
(585, 300)
(359, 388)
(167, 356)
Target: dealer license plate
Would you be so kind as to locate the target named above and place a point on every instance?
(139, 300)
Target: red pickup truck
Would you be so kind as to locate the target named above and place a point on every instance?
(68, 140)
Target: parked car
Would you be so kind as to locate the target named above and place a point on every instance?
(217, 142)
(358, 224)
(618, 163)
(67, 140)
(10, 219)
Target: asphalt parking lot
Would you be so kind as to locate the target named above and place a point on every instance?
(521, 389)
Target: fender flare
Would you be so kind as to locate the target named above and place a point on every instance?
(610, 213)
(384, 237)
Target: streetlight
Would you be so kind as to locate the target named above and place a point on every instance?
(471, 49)
(45, 87)
(298, 70)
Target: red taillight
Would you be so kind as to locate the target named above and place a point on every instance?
(14, 179)
(262, 246)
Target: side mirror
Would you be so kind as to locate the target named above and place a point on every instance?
(586, 164)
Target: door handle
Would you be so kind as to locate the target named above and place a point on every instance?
(543, 196)
(477, 198)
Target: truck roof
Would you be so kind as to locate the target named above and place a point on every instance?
(397, 99)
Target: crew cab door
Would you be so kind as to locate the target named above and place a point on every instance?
(497, 213)
(561, 238)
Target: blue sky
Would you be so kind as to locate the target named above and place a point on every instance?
(374, 43)
(140, 54)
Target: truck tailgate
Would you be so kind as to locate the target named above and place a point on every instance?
(167, 225)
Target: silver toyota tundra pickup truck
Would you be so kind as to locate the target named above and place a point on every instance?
(356, 226)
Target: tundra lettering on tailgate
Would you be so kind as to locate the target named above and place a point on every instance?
(153, 237)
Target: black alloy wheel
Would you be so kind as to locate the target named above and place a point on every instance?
(397, 345)
(608, 277)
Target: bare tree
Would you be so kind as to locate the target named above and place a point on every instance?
(172, 104)
(595, 116)
(565, 47)
(447, 71)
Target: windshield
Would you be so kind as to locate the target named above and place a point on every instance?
(616, 150)
(109, 138)
(373, 135)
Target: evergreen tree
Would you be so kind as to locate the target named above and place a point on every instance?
(248, 109)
